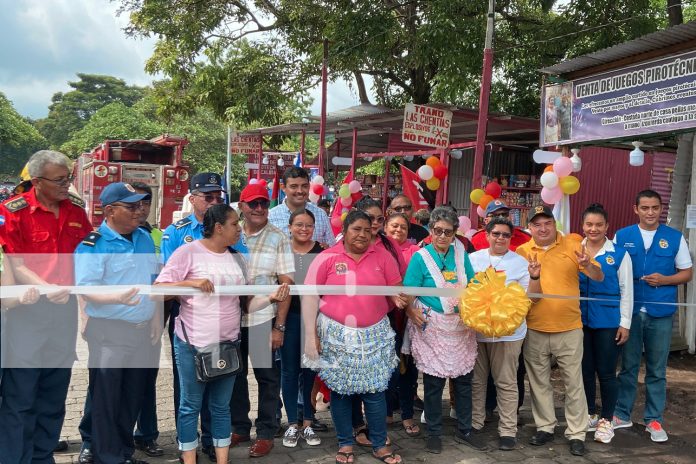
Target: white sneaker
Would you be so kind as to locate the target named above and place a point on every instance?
(291, 436)
(604, 432)
(657, 433)
(621, 424)
(310, 437)
(423, 417)
(453, 413)
(592, 422)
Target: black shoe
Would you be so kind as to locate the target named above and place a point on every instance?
(134, 461)
(61, 446)
(85, 456)
(418, 404)
(210, 452)
(541, 438)
(280, 432)
(507, 443)
(577, 447)
(433, 445)
(471, 440)
(151, 448)
(318, 426)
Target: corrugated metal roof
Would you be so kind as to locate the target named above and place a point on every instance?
(650, 42)
(364, 109)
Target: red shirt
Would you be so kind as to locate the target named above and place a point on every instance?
(46, 242)
(519, 237)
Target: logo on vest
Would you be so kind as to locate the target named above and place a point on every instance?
(221, 364)
(663, 243)
(188, 239)
(610, 261)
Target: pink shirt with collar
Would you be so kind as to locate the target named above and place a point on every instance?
(334, 266)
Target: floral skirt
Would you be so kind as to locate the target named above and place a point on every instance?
(361, 360)
(446, 348)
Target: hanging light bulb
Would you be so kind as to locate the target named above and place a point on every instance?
(425, 157)
(265, 160)
(368, 158)
(281, 163)
(575, 159)
(408, 158)
(388, 158)
(637, 156)
(456, 154)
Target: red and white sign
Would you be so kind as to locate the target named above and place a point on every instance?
(425, 125)
(413, 189)
(245, 144)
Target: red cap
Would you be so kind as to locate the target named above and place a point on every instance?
(252, 192)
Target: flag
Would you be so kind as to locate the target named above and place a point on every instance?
(225, 179)
(412, 188)
(298, 159)
(276, 189)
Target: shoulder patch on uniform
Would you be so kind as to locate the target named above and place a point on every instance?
(92, 238)
(75, 200)
(182, 223)
(16, 204)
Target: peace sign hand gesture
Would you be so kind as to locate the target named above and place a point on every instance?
(534, 267)
(583, 258)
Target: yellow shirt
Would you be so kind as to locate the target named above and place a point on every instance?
(559, 276)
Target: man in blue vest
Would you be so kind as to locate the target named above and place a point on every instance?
(661, 262)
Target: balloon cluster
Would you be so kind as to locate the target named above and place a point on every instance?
(557, 181)
(348, 194)
(317, 189)
(482, 197)
(432, 172)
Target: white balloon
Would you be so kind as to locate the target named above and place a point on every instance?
(549, 180)
(425, 172)
(318, 180)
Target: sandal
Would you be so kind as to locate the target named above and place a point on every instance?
(412, 430)
(367, 442)
(349, 455)
(391, 455)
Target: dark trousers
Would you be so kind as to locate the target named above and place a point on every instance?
(146, 430)
(206, 436)
(293, 376)
(492, 394)
(268, 379)
(433, 387)
(600, 356)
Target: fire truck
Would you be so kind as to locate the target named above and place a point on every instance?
(156, 162)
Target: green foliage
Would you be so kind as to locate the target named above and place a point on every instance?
(18, 140)
(69, 112)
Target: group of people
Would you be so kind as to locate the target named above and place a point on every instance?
(367, 349)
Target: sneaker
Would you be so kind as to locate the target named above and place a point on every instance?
(471, 440)
(620, 423)
(291, 436)
(604, 431)
(657, 433)
(309, 436)
(592, 422)
(453, 413)
(423, 417)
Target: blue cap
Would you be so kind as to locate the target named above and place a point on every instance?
(495, 205)
(206, 182)
(120, 191)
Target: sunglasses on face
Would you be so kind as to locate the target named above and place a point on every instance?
(378, 219)
(437, 231)
(500, 215)
(505, 235)
(211, 198)
(263, 203)
(61, 182)
(401, 209)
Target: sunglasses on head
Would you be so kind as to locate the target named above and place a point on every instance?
(497, 234)
(437, 231)
(262, 202)
(211, 198)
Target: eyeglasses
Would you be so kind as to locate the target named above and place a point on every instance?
(401, 209)
(303, 226)
(132, 207)
(211, 198)
(505, 235)
(437, 231)
(61, 182)
(263, 203)
(378, 219)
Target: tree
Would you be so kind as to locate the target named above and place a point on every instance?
(69, 112)
(18, 140)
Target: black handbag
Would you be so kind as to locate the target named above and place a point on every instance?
(217, 360)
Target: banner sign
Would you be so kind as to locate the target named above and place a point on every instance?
(268, 170)
(647, 98)
(425, 125)
(244, 144)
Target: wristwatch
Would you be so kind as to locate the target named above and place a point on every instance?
(279, 328)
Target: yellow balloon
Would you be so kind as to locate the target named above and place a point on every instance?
(433, 183)
(343, 216)
(475, 195)
(569, 184)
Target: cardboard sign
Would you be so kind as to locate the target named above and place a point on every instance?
(244, 144)
(425, 125)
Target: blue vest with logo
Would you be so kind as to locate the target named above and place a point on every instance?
(603, 314)
(660, 257)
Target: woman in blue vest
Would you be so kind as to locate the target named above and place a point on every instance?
(606, 320)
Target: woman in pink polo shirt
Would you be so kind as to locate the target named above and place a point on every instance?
(353, 333)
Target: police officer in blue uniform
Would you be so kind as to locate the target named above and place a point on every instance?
(124, 329)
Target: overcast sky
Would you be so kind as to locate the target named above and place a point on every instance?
(46, 42)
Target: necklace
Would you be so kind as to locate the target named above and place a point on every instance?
(490, 260)
(442, 258)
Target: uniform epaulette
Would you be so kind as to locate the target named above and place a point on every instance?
(75, 200)
(182, 223)
(15, 205)
(91, 239)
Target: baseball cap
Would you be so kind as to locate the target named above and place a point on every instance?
(540, 210)
(120, 191)
(494, 206)
(206, 182)
(252, 192)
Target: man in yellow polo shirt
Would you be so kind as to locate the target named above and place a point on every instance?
(554, 327)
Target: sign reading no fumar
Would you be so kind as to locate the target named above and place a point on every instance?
(244, 144)
(425, 125)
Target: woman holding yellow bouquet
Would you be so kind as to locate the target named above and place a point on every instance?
(441, 345)
(500, 356)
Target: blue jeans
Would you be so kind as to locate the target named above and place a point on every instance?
(600, 355)
(219, 394)
(291, 370)
(654, 334)
(375, 410)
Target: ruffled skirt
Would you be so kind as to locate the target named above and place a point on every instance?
(356, 360)
(446, 348)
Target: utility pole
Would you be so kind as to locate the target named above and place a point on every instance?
(322, 124)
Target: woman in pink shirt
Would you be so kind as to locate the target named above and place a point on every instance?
(396, 228)
(352, 332)
(205, 319)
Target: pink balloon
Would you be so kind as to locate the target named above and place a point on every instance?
(470, 233)
(464, 224)
(562, 166)
(551, 196)
(480, 211)
(336, 221)
(354, 186)
(346, 201)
